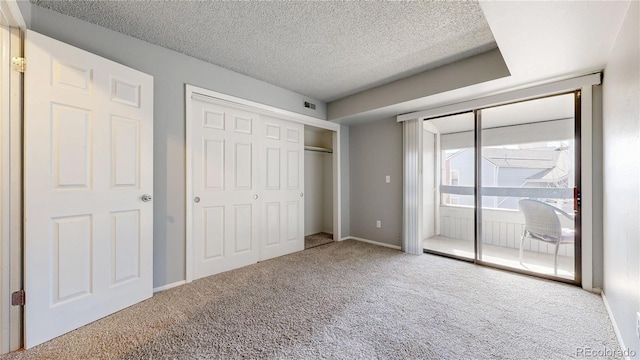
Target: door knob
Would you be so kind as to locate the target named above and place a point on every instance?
(196, 199)
(255, 196)
(146, 197)
(301, 194)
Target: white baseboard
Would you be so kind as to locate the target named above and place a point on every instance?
(168, 286)
(615, 325)
(396, 247)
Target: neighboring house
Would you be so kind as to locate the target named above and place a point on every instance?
(542, 167)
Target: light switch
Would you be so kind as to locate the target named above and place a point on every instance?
(387, 179)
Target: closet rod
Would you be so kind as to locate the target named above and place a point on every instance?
(318, 149)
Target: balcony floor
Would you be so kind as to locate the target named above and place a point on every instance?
(532, 261)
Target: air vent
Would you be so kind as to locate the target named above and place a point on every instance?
(309, 105)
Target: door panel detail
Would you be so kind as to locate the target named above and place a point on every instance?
(126, 245)
(214, 229)
(214, 164)
(72, 258)
(72, 77)
(71, 146)
(273, 168)
(125, 92)
(213, 120)
(125, 152)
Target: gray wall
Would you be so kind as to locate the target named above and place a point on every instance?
(376, 151)
(621, 112)
(597, 171)
(313, 192)
(318, 192)
(171, 71)
(327, 190)
(345, 179)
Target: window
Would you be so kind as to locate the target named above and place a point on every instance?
(455, 176)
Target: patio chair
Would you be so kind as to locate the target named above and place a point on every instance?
(542, 223)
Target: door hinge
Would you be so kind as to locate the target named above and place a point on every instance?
(18, 298)
(18, 64)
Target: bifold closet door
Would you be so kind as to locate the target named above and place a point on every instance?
(225, 188)
(282, 156)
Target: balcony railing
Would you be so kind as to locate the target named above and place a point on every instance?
(500, 227)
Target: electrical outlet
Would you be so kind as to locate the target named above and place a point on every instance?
(378, 224)
(638, 325)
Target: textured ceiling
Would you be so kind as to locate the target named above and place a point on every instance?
(325, 50)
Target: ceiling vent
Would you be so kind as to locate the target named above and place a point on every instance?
(309, 105)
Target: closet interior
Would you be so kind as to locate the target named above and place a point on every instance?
(318, 185)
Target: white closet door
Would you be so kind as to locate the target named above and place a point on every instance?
(225, 188)
(88, 163)
(282, 157)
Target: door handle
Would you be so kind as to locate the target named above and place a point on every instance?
(255, 196)
(301, 194)
(196, 199)
(146, 197)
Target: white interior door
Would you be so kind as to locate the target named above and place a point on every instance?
(282, 157)
(225, 187)
(88, 163)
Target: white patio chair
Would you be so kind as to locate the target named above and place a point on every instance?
(542, 223)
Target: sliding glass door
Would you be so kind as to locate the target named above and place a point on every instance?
(505, 186)
(528, 180)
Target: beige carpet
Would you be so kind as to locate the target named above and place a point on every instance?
(318, 239)
(349, 300)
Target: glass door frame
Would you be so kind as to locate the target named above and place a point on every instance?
(577, 280)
